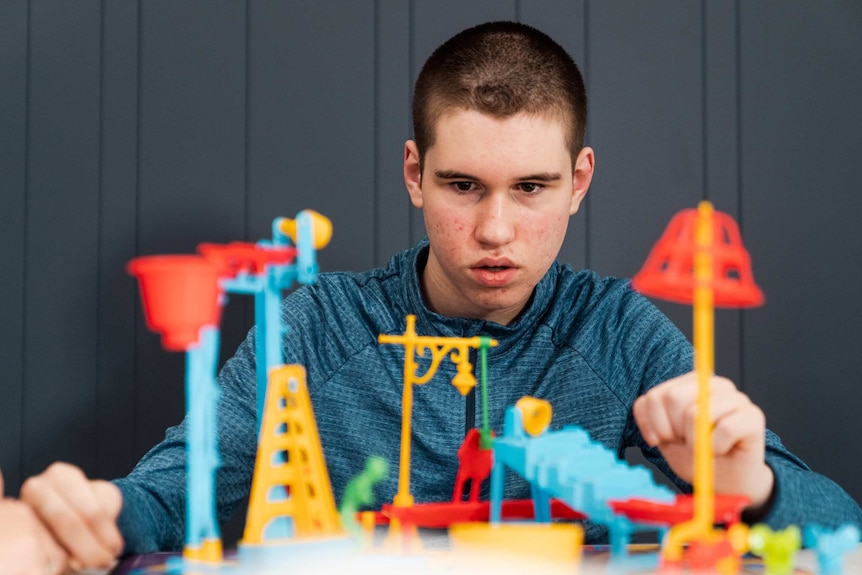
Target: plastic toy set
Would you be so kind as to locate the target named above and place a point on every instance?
(293, 524)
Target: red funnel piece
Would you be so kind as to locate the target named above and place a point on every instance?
(237, 257)
(180, 296)
(669, 270)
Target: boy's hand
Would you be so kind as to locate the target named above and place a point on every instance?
(666, 417)
(26, 547)
(81, 514)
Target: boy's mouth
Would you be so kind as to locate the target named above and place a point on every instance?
(494, 264)
(494, 273)
(495, 268)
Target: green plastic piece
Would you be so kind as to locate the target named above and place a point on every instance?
(360, 493)
(777, 548)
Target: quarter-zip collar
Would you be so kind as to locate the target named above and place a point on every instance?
(428, 322)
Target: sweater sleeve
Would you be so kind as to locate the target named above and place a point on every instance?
(154, 493)
(801, 496)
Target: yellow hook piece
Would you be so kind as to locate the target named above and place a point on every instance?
(321, 225)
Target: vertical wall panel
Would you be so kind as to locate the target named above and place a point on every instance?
(721, 136)
(192, 166)
(564, 21)
(393, 126)
(118, 297)
(645, 91)
(433, 22)
(801, 76)
(311, 121)
(721, 150)
(62, 222)
(13, 189)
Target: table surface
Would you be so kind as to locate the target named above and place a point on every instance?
(593, 562)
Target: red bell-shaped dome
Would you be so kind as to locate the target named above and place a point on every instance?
(669, 270)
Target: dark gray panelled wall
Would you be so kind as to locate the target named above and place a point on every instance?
(146, 127)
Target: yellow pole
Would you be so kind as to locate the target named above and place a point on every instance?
(704, 465)
(403, 498)
(700, 527)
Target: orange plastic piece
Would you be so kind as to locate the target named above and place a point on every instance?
(237, 257)
(713, 556)
(727, 510)
(667, 273)
(180, 296)
(289, 428)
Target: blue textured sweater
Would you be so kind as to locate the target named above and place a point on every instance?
(588, 345)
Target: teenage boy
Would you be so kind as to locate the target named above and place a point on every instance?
(498, 165)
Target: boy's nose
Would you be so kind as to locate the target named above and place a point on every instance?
(495, 223)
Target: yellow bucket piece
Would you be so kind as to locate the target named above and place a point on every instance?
(519, 547)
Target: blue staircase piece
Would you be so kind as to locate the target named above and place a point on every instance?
(570, 466)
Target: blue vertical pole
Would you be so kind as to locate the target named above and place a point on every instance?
(260, 348)
(306, 260)
(268, 345)
(202, 395)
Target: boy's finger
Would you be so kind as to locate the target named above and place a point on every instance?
(99, 542)
(111, 502)
(66, 524)
(741, 427)
(95, 503)
(652, 420)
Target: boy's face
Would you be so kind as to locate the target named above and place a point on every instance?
(496, 195)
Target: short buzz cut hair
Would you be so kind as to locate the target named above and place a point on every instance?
(500, 69)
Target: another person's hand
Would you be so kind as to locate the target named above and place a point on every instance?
(26, 547)
(665, 416)
(81, 514)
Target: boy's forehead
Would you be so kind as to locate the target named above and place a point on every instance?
(472, 142)
(459, 126)
(460, 123)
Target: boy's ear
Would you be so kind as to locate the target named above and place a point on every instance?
(413, 173)
(585, 164)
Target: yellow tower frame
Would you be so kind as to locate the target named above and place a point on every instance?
(289, 428)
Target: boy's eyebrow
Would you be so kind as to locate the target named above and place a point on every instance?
(539, 177)
(453, 175)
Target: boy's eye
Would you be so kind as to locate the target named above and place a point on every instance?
(530, 187)
(463, 186)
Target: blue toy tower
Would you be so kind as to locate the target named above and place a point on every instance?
(182, 297)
